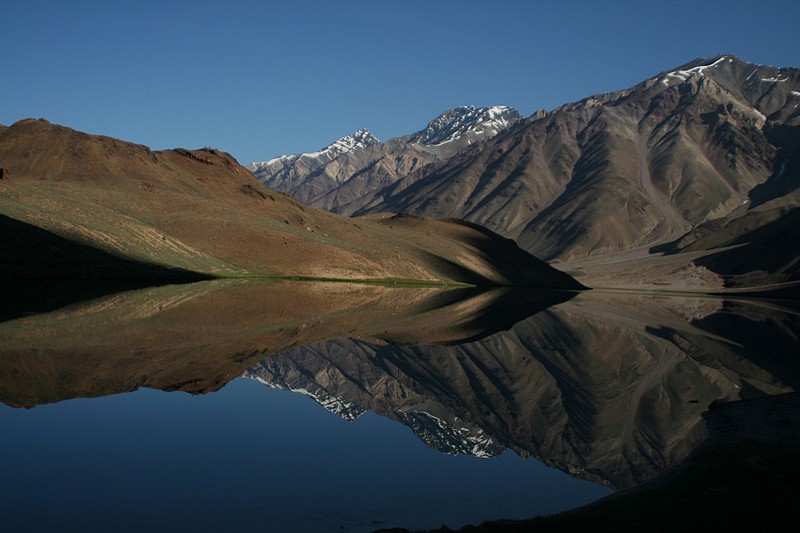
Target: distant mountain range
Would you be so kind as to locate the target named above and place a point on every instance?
(358, 164)
(699, 164)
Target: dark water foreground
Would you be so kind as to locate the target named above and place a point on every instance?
(411, 408)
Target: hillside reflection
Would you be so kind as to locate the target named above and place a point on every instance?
(608, 387)
(197, 337)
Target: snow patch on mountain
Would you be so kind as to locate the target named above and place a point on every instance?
(349, 143)
(684, 74)
(449, 439)
(338, 406)
(466, 122)
(280, 158)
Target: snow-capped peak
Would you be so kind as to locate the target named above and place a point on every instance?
(338, 406)
(697, 68)
(349, 143)
(686, 73)
(467, 122)
(449, 438)
(356, 141)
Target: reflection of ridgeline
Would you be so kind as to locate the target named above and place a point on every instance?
(607, 387)
(345, 409)
(349, 377)
(197, 337)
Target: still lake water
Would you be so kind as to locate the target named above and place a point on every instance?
(249, 458)
(410, 408)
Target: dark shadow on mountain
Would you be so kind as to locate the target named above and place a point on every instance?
(772, 248)
(25, 298)
(514, 266)
(500, 308)
(517, 264)
(28, 252)
(41, 271)
(786, 175)
(757, 249)
(666, 248)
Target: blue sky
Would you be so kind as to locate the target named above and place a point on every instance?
(259, 79)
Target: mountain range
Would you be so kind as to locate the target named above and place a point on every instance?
(687, 180)
(359, 164)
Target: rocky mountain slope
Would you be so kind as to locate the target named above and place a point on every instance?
(358, 164)
(200, 211)
(696, 159)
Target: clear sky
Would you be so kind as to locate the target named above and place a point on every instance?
(263, 78)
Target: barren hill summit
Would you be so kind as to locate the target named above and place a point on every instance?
(82, 205)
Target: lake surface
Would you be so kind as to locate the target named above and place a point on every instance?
(332, 407)
(249, 458)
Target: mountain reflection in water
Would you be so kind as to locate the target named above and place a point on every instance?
(608, 387)
(197, 337)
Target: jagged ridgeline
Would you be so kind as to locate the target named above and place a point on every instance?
(695, 159)
(345, 175)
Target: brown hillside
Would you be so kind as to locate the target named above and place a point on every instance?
(201, 211)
